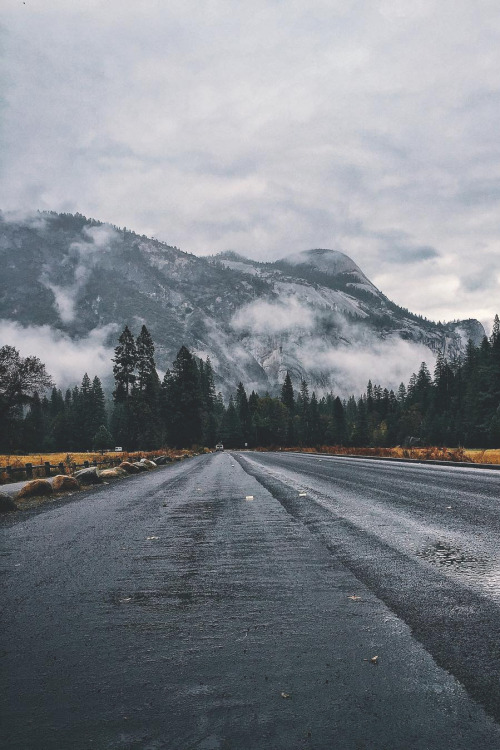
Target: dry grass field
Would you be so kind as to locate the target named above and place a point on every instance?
(478, 456)
(70, 459)
(433, 453)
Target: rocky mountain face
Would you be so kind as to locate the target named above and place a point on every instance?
(314, 313)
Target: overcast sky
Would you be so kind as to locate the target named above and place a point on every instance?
(269, 127)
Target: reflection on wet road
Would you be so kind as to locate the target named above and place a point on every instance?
(237, 602)
(449, 517)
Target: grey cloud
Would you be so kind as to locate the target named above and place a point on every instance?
(65, 359)
(85, 255)
(480, 279)
(406, 254)
(268, 128)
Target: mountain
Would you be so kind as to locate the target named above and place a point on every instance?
(313, 313)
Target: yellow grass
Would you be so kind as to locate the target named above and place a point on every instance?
(79, 458)
(68, 459)
(433, 453)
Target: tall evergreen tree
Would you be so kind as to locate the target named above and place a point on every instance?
(125, 363)
(145, 359)
(184, 402)
(34, 426)
(287, 394)
(231, 431)
(243, 410)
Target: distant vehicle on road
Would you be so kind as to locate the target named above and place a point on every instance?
(219, 447)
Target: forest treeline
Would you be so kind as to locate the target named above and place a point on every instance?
(457, 405)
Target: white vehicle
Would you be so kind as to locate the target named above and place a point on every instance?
(219, 447)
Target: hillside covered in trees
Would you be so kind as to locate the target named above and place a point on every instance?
(74, 278)
(458, 404)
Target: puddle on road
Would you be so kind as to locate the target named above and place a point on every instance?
(462, 563)
(480, 571)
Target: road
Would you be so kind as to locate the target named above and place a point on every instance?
(235, 601)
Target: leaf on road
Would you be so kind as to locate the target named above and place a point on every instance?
(355, 598)
(286, 695)
(373, 660)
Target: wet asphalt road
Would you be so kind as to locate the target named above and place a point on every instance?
(175, 609)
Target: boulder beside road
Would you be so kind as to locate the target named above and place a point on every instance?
(6, 503)
(115, 473)
(148, 464)
(63, 483)
(88, 476)
(35, 487)
(129, 467)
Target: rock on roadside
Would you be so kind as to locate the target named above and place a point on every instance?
(149, 464)
(88, 476)
(129, 468)
(116, 473)
(63, 483)
(6, 503)
(34, 488)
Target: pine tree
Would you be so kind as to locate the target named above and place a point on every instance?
(183, 401)
(287, 394)
(361, 435)
(102, 439)
(144, 407)
(210, 418)
(125, 362)
(145, 362)
(243, 410)
(34, 426)
(302, 409)
(339, 433)
(231, 432)
(315, 431)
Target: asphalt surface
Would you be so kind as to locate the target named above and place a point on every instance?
(208, 605)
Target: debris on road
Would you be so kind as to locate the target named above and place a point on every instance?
(302, 494)
(286, 695)
(249, 497)
(373, 660)
(149, 538)
(355, 598)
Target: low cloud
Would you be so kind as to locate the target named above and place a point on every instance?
(385, 362)
(65, 359)
(268, 128)
(30, 218)
(411, 254)
(261, 317)
(86, 255)
(342, 358)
